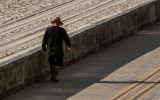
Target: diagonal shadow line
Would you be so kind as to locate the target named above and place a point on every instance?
(92, 69)
(115, 82)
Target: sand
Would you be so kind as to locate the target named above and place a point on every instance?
(23, 22)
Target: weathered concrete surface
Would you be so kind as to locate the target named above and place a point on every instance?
(132, 72)
(104, 74)
(28, 67)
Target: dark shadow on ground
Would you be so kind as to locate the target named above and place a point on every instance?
(92, 69)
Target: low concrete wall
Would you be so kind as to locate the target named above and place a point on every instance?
(33, 66)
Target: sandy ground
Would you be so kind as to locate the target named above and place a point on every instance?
(22, 23)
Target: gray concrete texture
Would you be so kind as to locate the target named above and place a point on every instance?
(32, 66)
(105, 73)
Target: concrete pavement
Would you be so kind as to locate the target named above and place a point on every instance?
(106, 74)
(91, 25)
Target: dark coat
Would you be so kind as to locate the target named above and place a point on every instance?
(53, 38)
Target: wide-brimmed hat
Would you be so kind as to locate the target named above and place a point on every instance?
(57, 20)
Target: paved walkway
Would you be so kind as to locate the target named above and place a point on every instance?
(129, 69)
